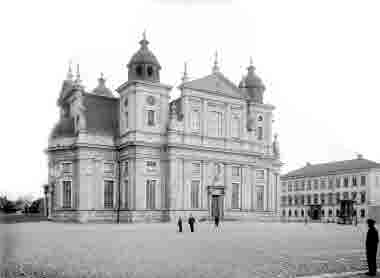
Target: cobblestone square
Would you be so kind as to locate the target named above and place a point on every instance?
(156, 250)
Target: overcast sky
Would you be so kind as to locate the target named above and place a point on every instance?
(318, 59)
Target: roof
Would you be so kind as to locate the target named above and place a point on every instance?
(324, 169)
(144, 55)
(216, 83)
(101, 117)
(101, 114)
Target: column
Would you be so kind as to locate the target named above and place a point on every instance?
(245, 185)
(204, 118)
(266, 185)
(253, 188)
(173, 186)
(227, 184)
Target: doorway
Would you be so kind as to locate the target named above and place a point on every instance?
(217, 206)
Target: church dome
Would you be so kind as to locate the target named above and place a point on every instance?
(144, 64)
(253, 85)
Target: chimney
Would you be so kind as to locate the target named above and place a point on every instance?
(360, 156)
(308, 164)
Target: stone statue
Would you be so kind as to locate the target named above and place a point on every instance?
(276, 146)
(77, 112)
(218, 179)
(173, 109)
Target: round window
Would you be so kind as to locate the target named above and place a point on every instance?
(260, 118)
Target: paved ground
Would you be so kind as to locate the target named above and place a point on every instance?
(49, 249)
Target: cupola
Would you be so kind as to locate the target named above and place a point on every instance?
(253, 84)
(144, 64)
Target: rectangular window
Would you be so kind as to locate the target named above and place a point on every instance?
(345, 195)
(309, 185)
(362, 197)
(126, 120)
(296, 186)
(331, 181)
(215, 124)
(108, 194)
(151, 114)
(337, 180)
(67, 167)
(235, 195)
(260, 133)
(196, 170)
(337, 197)
(290, 187)
(66, 194)
(315, 184)
(323, 184)
(151, 166)
(362, 180)
(308, 199)
(235, 171)
(260, 174)
(315, 199)
(353, 195)
(150, 194)
(194, 194)
(260, 197)
(108, 168)
(354, 181)
(195, 119)
(302, 185)
(322, 196)
(345, 181)
(235, 126)
(330, 198)
(126, 169)
(126, 194)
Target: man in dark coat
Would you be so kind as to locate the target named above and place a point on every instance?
(179, 224)
(371, 243)
(216, 222)
(191, 223)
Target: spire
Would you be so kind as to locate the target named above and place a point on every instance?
(185, 78)
(144, 43)
(77, 77)
(251, 67)
(215, 68)
(69, 76)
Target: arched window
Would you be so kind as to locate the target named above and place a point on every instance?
(323, 212)
(139, 70)
(260, 133)
(330, 212)
(362, 213)
(150, 71)
(296, 213)
(290, 213)
(302, 213)
(283, 213)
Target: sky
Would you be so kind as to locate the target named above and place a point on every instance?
(319, 61)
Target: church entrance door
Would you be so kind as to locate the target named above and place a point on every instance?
(217, 206)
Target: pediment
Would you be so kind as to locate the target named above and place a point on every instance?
(215, 83)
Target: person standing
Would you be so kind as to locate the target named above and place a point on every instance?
(179, 224)
(216, 222)
(371, 243)
(191, 223)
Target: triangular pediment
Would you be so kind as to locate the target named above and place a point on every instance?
(215, 83)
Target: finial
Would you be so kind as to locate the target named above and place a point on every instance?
(251, 64)
(101, 79)
(185, 77)
(77, 78)
(69, 75)
(144, 41)
(215, 67)
(144, 35)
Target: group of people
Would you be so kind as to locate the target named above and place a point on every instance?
(191, 222)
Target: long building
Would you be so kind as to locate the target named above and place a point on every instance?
(143, 157)
(316, 190)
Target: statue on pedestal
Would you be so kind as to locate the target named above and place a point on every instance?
(276, 146)
(77, 112)
(218, 179)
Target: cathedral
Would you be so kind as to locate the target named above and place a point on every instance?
(142, 157)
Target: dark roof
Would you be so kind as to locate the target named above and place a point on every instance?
(144, 55)
(324, 169)
(64, 128)
(101, 117)
(101, 114)
(215, 82)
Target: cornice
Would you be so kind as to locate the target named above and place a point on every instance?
(136, 82)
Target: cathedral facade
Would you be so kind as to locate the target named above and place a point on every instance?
(143, 157)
